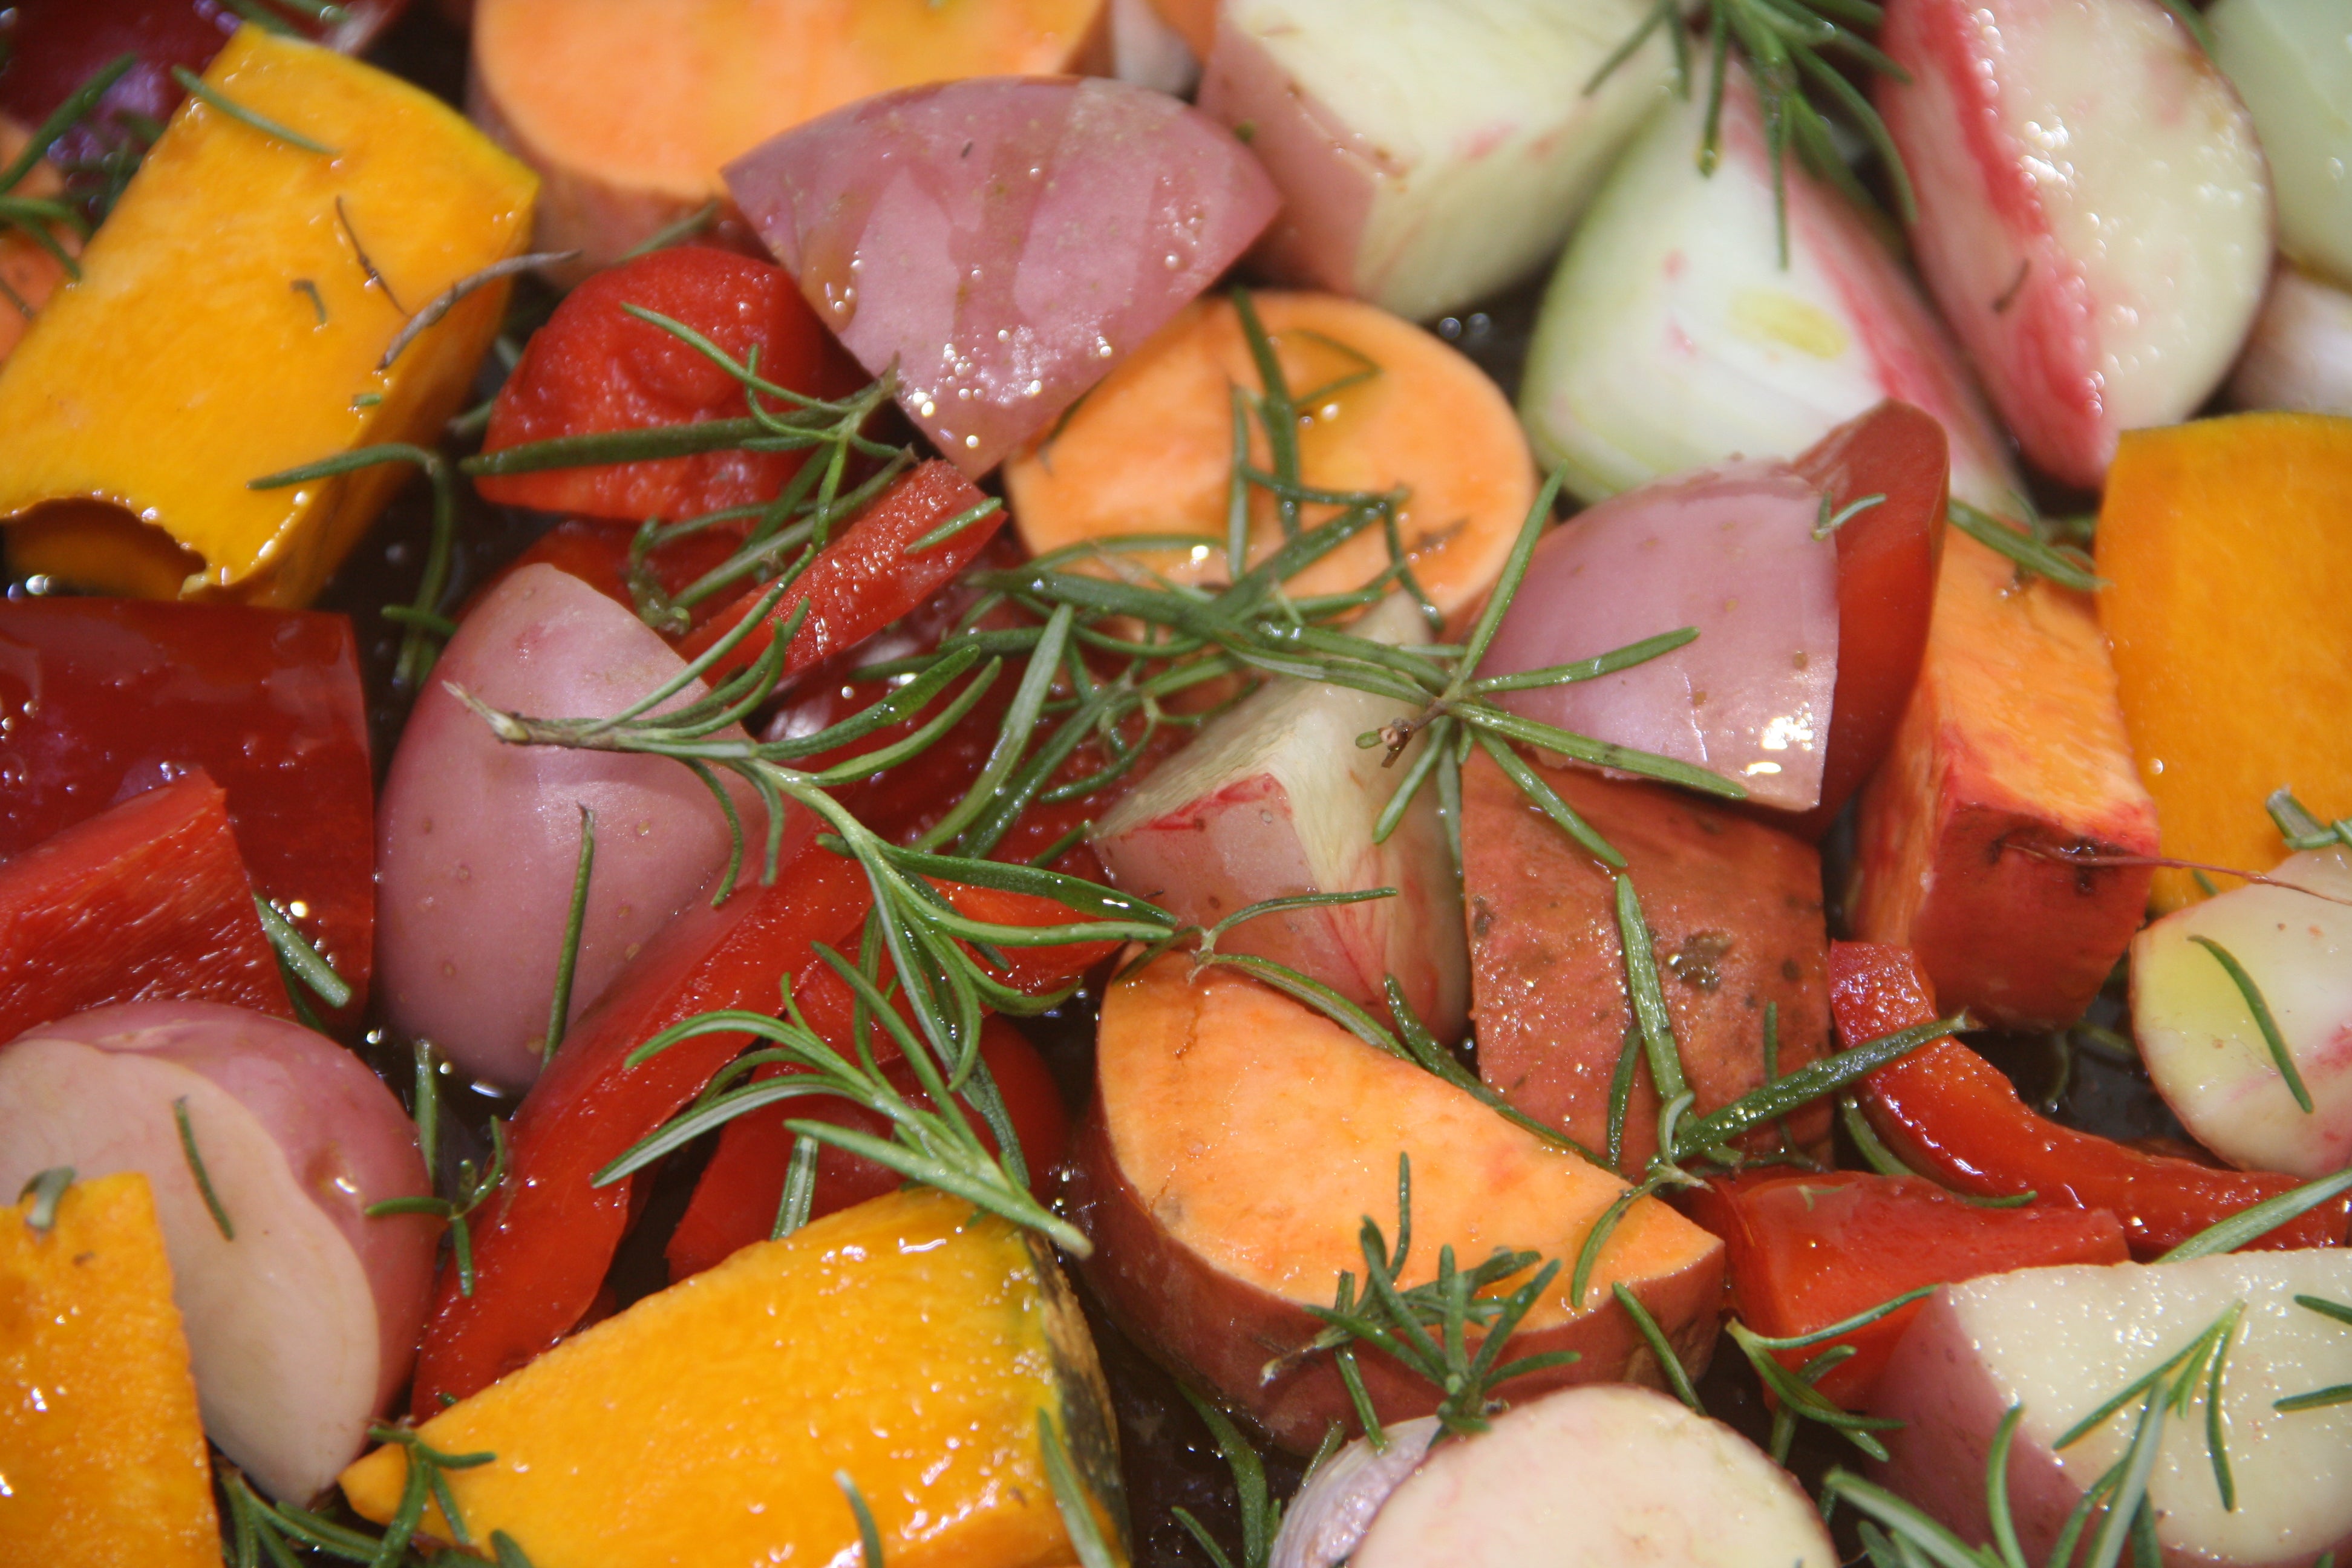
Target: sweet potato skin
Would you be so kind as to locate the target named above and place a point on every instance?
(2011, 755)
(1736, 919)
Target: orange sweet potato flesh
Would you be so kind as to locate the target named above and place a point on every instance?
(1735, 915)
(101, 1444)
(2229, 613)
(2013, 751)
(1238, 1141)
(1150, 449)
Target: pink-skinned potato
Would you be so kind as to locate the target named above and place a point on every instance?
(2093, 210)
(302, 1327)
(1274, 799)
(1599, 1478)
(2062, 1341)
(1236, 1144)
(1005, 242)
(477, 842)
(1674, 335)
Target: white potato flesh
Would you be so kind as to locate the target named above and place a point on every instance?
(302, 1327)
(2095, 217)
(2300, 356)
(1274, 799)
(1428, 154)
(2291, 60)
(2064, 1341)
(2197, 1034)
(1671, 337)
(1147, 51)
(477, 842)
(1605, 1476)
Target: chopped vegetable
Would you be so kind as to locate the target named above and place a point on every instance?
(147, 901)
(99, 1437)
(1428, 157)
(201, 262)
(1378, 405)
(2004, 838)
(1734, 913)
(2288, 62)
(1079, 215)
(1238, 1141)
(934, 1357)
(2300, 356)
(2230, 569)
(1951, 1115)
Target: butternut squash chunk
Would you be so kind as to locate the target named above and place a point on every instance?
(904, 1341)
(2012, 753)
(2229, 544)
(102, 1455)
(232, 321)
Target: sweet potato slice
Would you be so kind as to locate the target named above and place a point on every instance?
(2011, 751)
(627, 110)
(2231, 567)
(1735, 913)
(1236, 1142)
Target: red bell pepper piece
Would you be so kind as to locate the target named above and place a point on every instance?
(594, 368)
(1953, 1116)
(736, 1202)
(1887, 558)
(148, 901)
(102, 698)
(866, 578)
(1807, 1251)
(546, 1238)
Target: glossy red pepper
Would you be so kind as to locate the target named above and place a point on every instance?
(1953, 1116)
(1887, 557)
(148, 901)
(593, 369)
(103, 698)
(735, 1203)
(543, 1243)
(1807, 1251)
(868, 576)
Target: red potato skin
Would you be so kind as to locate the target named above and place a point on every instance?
(1887, 560)
(1735, 915)
(1949, 1114)
(148, 901)
(104, 698)
(594, 368)
(1221, 1333)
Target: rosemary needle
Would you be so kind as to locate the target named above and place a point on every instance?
(198, 88)
(2260, 1009)
(196, 1169)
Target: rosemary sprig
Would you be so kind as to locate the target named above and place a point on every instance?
(2319, 1398)
(1261, 1513)
(685, 229)
(2268, 1025)
(474, 1185)
(1887, 1163)
(2300, 828)
(298, 960)
(869, 1538)
(196, 1169)
(46, 1189)
(2260, 1220)
(198, 88)
(559, 1006)
(2062, 565)
(441, 304)
(1070, 1496)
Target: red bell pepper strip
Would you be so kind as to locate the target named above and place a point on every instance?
(736, 1202)
(149, 901)
(1807, 1251)
(107, 698)
(593, 368)
(870, 576)
(543, 1244)
(1953, 1116)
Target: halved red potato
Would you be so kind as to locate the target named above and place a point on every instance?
(1236, 1144)
(2300, 355)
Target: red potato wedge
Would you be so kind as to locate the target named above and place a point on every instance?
(1061, 224)
(2011, 750)
(2093, 210)
(1599, 1478)
(2062, 1341)
(1150, 450)
(1735, 915)
(477, 842)
(1672, 335)
(147, 901)
(629, 111)
(1274, 799)
(1235, 1145)
(2300, 355)
(1427, 156)
(303, 1324)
